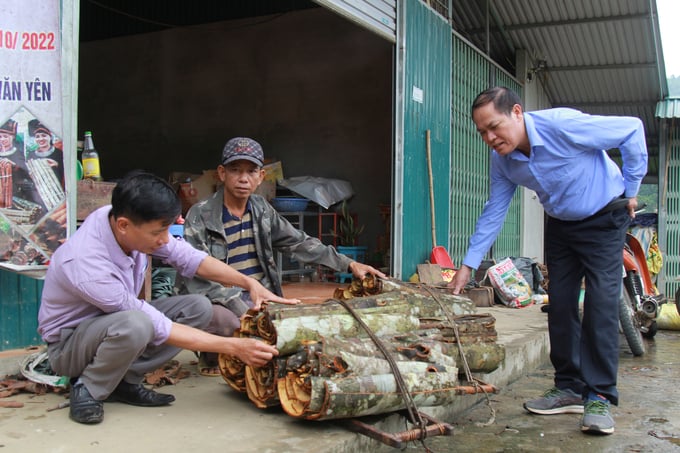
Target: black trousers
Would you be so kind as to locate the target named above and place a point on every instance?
(585, 353)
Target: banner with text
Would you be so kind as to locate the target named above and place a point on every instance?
(32, 192)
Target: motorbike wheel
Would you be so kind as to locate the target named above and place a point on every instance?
(629, 324)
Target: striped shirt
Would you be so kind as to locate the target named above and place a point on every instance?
(241, 243)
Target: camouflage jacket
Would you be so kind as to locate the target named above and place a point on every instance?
(203, 228)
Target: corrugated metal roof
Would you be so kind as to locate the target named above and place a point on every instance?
(670, 108)
(599, 56)
(379, 16)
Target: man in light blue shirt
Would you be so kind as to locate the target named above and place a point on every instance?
(561, 155)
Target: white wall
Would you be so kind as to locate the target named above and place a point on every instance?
(532, 212)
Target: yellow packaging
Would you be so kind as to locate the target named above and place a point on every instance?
(668, 318)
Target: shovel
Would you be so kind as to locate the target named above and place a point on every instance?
(439, 254)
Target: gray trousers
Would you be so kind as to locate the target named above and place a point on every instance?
(104, 350)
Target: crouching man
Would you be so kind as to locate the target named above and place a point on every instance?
(100, 333)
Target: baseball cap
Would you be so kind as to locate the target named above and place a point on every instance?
(243, 148)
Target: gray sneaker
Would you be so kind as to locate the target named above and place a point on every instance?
(596, 418)
(556, 401)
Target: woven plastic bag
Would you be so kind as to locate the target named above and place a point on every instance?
(509, 284)
(668, 318)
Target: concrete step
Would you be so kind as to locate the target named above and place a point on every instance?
(208, 414)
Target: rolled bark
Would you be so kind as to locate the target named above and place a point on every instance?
(260, 383)
(320, 398)
(328, 367)
(233, 372)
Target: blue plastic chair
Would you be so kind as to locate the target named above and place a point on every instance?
(357, 253)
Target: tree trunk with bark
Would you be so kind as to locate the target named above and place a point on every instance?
(329, 367)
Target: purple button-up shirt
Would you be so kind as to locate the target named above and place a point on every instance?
(90, 275)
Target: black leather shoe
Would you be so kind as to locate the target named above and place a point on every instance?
(83, 407)
(138, 395)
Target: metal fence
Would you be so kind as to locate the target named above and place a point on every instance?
(472, 72)
(670, 195)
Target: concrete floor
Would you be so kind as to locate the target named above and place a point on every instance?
(208, 415)
(647, 418)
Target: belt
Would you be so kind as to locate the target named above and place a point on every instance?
(616, 203)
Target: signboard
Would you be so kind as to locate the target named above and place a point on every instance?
(33, 219)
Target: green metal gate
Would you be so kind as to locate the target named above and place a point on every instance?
(19, 303)
(472, 73)
(427, 105)
(670, 196)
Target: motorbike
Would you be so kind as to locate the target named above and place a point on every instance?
(639, 303)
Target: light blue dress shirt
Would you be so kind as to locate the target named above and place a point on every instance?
(568, 168)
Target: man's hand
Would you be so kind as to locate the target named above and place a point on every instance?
(632, 206)
(360, 270)
(217, 271)
(461, 279)
(259, 294)
(248, 350)
(253, 352)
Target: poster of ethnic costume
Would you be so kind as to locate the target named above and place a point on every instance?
(33, 220)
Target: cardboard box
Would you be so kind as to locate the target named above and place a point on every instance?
(482, 296)
(273, 172)
(193, 188)
(91, 195)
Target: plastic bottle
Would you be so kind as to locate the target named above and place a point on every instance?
(90, 159)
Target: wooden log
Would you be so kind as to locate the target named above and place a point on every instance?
(409, 301)
(319, 398)
(292, 332)
(328, 366)
(377, 365)
(472, 328)
(394, 312)
(360, 355)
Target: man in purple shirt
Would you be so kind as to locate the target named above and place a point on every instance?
(561, 154)
(100, 333)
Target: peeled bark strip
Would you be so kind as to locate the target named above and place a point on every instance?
(261, 383)
(233, 372)
(330, 398)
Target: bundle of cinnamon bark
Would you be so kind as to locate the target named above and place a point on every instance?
(329, 367)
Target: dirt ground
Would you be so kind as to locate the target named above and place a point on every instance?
(647, 419)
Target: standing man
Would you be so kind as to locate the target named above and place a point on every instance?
(242, 229)
(561, 155)
(97, 330)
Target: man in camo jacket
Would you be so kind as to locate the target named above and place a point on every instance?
(243, 229)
